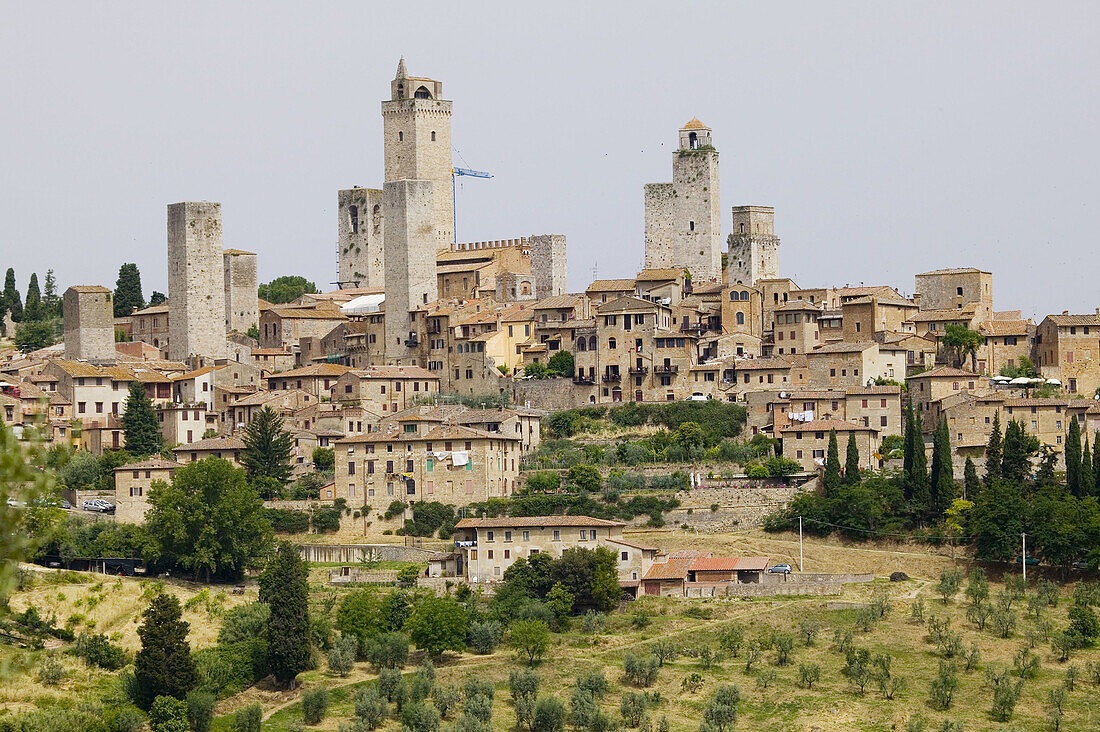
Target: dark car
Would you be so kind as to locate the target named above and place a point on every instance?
(1031, 561)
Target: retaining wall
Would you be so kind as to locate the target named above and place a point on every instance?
(355, 553)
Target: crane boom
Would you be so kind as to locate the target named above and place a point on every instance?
(455, 172)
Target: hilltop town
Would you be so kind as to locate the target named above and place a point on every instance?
(451, 420)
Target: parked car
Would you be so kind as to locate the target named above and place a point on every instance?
(66, 505)
(697, 397)
(1081, 564)
(98, 505)
(780, 569)
(1031, 561)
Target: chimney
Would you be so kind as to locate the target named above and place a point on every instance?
(1065, 312)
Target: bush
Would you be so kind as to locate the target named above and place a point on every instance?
(248, 719)
(51, 672)
(243, 623)
(168, 714)
(98, 651)
(484, 637)
(287, 521)
(326, 519)
(419, 717)
(226, 669)
(370, 707)
(530, 637)
(756, 471)
(315, 705)
(387, 650)
(341, 657)
(1083, 624)
(396, 508)
(388, 681)
(200, 710)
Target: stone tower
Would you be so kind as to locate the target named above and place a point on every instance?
(89, 323)
(360, 233)
(416, 125)
(408, 208)
(683, 227)
(242, 307)
(196, 281)
(548, 265)
(753, 245)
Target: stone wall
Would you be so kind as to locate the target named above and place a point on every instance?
(196, 281)
(410, 261)
(89, 323)
(549, 394)
(417, 141)
(548, 264)
(360, 236)
(242, 304)
(659, 216)
(741, 504)
(355, 553)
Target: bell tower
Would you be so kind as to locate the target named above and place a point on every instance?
(416, 124)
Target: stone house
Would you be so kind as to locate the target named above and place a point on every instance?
(490, 545)
(183, 423)
(854, 364)
(601, 292)
(150, 325)
(410, 460)
(808, 442)
(1067, 348)
(283, 326)
(226, 448)
(953, 289)
(316, 380)
(929, 386)
(285, 402)
(678, 573)
(271, 360)
(132, 484)
(794, 328)
(1006, 342)
(384, 389)
(195, 386)
(864, 317)
(868, 406)
(94, 391)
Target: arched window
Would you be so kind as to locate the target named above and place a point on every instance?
(433, 135)
(733, 295)
(693, 140)
(745, 295)
(740, 318)
(400, 91)
(591, 343)
(423, 93)
(526, 288)
(582, 345)
(611, 343)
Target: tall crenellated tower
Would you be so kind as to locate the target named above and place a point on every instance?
(753, 245)
(683, 227)
(416, 124)
(196, 281)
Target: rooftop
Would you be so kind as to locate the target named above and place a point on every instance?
(535, 521)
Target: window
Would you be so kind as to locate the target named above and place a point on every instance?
(527, 536)
(625, 556)
(611, 343)
(507, 535)
(490, 536)
(351, 467)
(584, 534)
(557, 535)
(490, 554)
(882, 421)
(433, 135)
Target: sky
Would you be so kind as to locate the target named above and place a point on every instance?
(892, 138)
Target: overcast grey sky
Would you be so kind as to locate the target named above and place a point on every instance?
(892, 138)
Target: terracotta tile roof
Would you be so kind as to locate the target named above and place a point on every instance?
(1005, 327)
(85, 369)
(874, 390)
(1074, 319)
(237, 252)
(944, 372)
(675, 567)
(954, 270)
(394, 372)
(658, 274)
(212, 443)
(161, 309)
(964, 313)
(824, 425)
(89, 288)
(761, 364)
(694, 124)
(260, 398)
(843, 347)
(442, 432)
(535, 521)
(321, 369)
(704, 564)
(610, 285)
(557, 302)
(151, 464)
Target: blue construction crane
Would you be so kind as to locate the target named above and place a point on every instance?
(455, 172)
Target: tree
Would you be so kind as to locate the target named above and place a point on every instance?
(831, 481)
(324, 459)
(720, 712)
(851, 461)
(964, 342)
(32, 309)
(590, 575)
(996, 521)
(208, 520)
(535, 370)
(943, 475)
(157, 298)
(284, 586)
(267, 447)
(585, 477)
(971, 486)
(168, 714)
(438, 624)
(286, 289)
(920, 486)
(1015, 465)
(139, 422)
(163, 666)
(993, 452)
(1087, 477)
(909, 447)
(12, 302)
(531, 638)
(1073, 457)
(387, 650)
(128, 297)
(561, 363)
(50, 302)
(31, 335)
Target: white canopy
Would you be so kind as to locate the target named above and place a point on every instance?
(363, 305)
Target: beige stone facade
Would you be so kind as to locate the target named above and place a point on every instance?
(808, 442)
(953, 289)
(132, 484)
(360, 233)
(89, 323)
(242, 305)
(1067, 348)
(196, 280)
(384, 390)
(753, 246)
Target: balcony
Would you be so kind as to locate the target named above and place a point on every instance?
(694, 328)
(583, 380)
(666, 369)
(612, 377)
(639, 370)
(412, 341)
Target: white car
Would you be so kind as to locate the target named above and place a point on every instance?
(697, 397)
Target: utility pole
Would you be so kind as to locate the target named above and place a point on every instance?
(799, 543)
(1023, 556)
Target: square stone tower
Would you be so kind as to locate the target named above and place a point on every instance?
(89, 323)
(196, 281)
(548, 265)
(408, 208)
(242, 306)
(360, 232)
(416, 125)
(753, 245)
(683, 226)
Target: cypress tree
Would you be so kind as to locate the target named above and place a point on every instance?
(971, 486)
(1014, 463)
(267, 447)
(128, 297)
(163, 666)
(50, 301)
(943, 472)
(284, 587)
(909, 451)
(993, 452)
(1073, 457)
(139, 420)
(32, 309)
(832, 466)
(1087, 477)
(851, 461)
(1096, 463)
(12, 303)
(922, 489)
